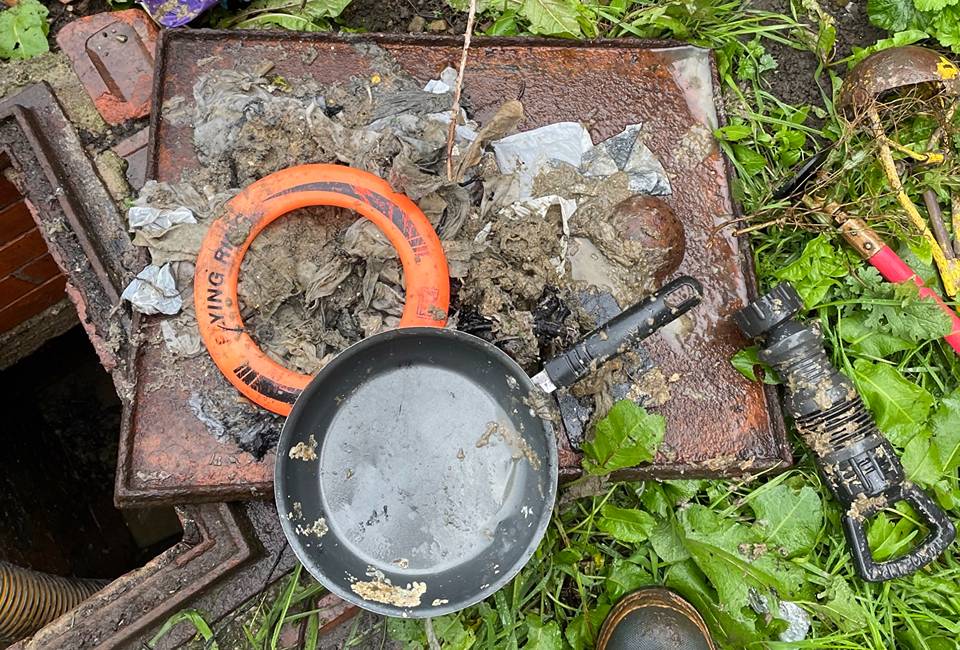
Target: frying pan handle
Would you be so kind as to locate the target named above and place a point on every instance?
(630, 326)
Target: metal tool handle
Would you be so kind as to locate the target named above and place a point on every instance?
(630, 326)
(942, 534)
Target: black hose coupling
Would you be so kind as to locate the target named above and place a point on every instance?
(855, 460)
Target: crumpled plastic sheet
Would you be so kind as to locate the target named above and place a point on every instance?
(154, 291)
(181, 338)
(798, 621)
(524, 153)
(626, 152)
(176, 13)
(157, 221)
(253, 429)
(445, 84)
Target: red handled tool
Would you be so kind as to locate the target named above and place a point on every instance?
(864, 239)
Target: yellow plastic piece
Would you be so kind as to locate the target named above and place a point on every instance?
(946, 69)
(949, 268)
(931, 158)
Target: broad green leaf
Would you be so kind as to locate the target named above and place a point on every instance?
(894, 15)
(890, 536)
(899, 39)
(735, 628)
(868, 341)
(747, 360)
(23, 30)
(542, 636)
(667, 541)
(551, 17)
(899, 406)
(736, 561)
(751, 161)
(504, 25)
(921, 462)
(841, 607)
(581, 632)
(625, 524)
(819, 267)
(404, 630)
(297, 15)
(626, 437)
(293, 22)
(623, 577)
(567, 556)
(908, 315)
(655, 500)
(932, 5)
(946, 28)
(452, 634)
(789, 519)
(945, 424)
(754, 61)
(733, 132)
(682, 490)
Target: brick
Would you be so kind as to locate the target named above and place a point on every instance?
(26, 279)
(8, 192)
(15, 220)
(112, 53)
(134, 151)
(49, 293)
(23, 249)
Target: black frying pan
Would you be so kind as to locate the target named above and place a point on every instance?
(417, 472)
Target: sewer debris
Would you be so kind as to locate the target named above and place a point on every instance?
(304, 450)
(296, 512)
(535, 225)
(154, 291)
(863, 505)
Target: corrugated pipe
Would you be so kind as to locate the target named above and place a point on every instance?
(31, 599)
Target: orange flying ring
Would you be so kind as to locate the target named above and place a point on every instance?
(242, 362)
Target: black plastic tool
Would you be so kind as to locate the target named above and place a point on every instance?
(624, 330)
(856, 461)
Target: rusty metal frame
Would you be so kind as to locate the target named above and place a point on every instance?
(75, 214)
(224, 558)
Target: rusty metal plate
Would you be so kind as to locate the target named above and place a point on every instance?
(718, 422)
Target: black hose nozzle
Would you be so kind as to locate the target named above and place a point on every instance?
(856, 461)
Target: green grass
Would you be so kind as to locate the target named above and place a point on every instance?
(733, 547)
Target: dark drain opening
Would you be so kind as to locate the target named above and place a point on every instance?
(59, 463)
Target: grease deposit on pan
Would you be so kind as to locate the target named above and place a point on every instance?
(381, 590)
(304, 450)
(519, 448)
(318, 528)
